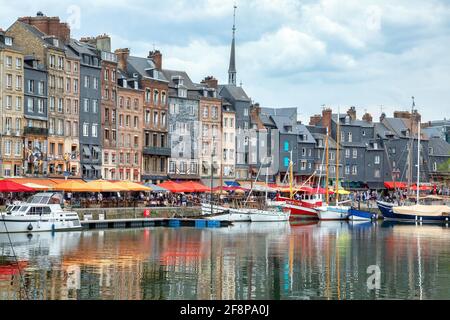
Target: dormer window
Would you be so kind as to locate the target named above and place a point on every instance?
(430, 150)
(8, 41)
(347, 119)
(56, 42)
(182, 93)
(136, 85)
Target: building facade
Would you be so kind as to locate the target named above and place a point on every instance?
(11, 103)
(36, 118)
(130, 131)
(90, 114)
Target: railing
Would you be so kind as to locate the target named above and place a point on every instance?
(158, 151)
(36, 131)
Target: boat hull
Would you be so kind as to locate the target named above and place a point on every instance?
(333, 213)
(358, 215)
(27, 224)
(302, 209)
(269, 216)
(225, 214)
(389, 214)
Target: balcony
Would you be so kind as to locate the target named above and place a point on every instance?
(36, 131)
(156, 151)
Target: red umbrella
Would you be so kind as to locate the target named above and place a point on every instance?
(174, 187)
(11, 186)
(195, 186)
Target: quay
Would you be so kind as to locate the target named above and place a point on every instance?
(152, 222)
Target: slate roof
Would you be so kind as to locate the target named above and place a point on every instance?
(433, 132)
(42, 36)
(399, 126)
(289, 112)
(331, 142)
(143, 67)
(187, 82)
(381, 130)
(236, 92)
(282, 121)
(302, 129)
(356, 122)
(440, 147)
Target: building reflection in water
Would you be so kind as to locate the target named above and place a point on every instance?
(325, 260)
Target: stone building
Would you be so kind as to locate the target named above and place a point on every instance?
(130, 127)
(210, 118)
(11, 104)
(72, 115)
(51, 51)
(184, 126)
(155, 136)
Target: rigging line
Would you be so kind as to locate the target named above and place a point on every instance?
(17, 262)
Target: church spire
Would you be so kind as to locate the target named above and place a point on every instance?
(232, 68)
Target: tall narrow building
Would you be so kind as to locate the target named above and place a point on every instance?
(11, 106)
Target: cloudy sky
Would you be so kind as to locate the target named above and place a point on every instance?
(373, 54)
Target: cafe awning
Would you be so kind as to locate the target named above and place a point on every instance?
(174, 187)
(395, 185)
(195, 186)
(103, 186)
(72, 186)
(11, 186)
(155, 188)
(131, 186)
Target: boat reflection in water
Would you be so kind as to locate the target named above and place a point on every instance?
(301, 260)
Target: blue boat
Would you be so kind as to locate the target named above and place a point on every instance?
(387, 209)
(358, 215)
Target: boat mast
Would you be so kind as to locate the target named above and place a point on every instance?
(410, 150)
(267, 181)
(326, 166)
(291, 175)
(212, 175)
(337, 158)
(418, 162)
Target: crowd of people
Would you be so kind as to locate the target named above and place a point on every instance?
(162, 199)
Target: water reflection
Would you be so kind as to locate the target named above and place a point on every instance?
(308, 260)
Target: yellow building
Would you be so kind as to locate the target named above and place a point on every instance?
(11, 107)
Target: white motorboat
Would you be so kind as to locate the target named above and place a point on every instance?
(225, 214)
(269, 215)
(333, 212)
(42, 212)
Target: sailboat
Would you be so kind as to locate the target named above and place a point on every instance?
(270, 214)
(302, 208)
(336, 212)
(416, 213)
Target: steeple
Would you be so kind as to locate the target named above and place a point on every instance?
(232, 68)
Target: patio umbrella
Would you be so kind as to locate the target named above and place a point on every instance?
(103, 186)
(36, 186)
(155, 188)
(174, 187)
(131, 186)
(71, 186)
(11, 186)
(195, 186)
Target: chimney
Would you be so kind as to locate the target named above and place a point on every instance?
(51, 26)
(122, 57)
(156, 56)
(315, 120)
(326, 119)
(402, 114)
(352, 113)
(367, 117)
(211, 82)
(382, 117)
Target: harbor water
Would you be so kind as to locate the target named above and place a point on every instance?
(287, 260)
